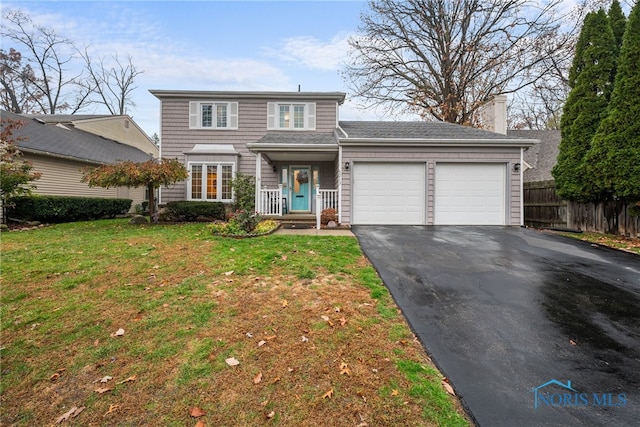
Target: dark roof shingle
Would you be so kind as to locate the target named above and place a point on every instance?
(415, 130)
(72, 143)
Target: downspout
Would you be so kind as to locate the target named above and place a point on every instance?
(521, 186)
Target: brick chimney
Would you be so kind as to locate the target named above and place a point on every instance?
(493, 115)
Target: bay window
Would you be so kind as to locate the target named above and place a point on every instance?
(210, 181)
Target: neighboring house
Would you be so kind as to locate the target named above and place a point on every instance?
(60, 146)
(305, 159)
(541, 157)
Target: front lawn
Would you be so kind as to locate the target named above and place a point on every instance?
(149, 325)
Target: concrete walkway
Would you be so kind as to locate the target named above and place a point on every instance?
(314, 232)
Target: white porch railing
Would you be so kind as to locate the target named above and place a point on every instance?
(270, 202)
(328, 199)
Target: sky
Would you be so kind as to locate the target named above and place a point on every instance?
(213, 45)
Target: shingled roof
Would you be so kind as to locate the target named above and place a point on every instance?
(542, 157)
(68, 142)
(420, 131)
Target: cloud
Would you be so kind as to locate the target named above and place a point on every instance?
(312, 52)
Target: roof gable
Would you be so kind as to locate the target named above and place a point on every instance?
(68, 142)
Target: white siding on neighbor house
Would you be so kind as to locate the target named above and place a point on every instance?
(177, 138)
(63, 177)
(431, 155)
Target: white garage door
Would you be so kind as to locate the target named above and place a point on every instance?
(470, 193)
(389, 193)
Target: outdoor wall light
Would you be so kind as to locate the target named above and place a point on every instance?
(516, 167)
(275, 169)
(346, 166)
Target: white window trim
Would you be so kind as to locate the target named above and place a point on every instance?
(204, 180)
(273, 115)
(195, 115)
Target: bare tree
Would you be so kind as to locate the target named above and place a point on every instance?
(51, 85)
(445, 58)
(15, 79)
(113, 85)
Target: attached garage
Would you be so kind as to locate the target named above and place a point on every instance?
(389, 193)
(470, 194)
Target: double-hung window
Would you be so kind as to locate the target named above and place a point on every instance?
(210, 181)
(213, 115)
(291, 116)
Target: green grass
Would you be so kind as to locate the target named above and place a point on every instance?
(186, 300)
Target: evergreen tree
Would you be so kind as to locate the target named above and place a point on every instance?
(618, 22)
(591, 85)
(614, 159)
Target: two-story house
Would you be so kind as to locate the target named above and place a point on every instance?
(304, 159)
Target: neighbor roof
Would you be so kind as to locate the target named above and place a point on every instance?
(65, 118)
(71, 143)
(542, 157)
(422, 132)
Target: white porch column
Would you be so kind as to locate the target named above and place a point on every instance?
(258, 180)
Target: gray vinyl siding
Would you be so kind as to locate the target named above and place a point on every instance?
(431, 155)
(177, 138)
(63, 177)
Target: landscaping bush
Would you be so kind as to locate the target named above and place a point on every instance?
(54, 209)
(244, 189)
(191, 210)
(328, 215)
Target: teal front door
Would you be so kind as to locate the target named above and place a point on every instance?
(300, 177)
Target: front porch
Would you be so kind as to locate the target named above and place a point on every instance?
(272, 202)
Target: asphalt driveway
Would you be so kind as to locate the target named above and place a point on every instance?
(517, 318)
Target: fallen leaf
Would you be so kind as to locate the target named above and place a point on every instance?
(104, 379)
(325, 318)
(264, 402)
(275, 380)
(261, 343)
(336, 309)
(118, 333)
(258, 378)
(96, 343)
(328, 394)
(66, 415)
(54, 377)
(232, 249)
(572, 342)
(271, 415)
(249, 335)
(344, 369)
(128, 380)
(78, 411)
(394, 392)
(343, 321)
(448, 387)
(196, 412)
(284, 257)
(102, 390)
(304, 339)
(112, 409)
(232, 361)
(200, 423)
(270, 337)
(228, 273)
(285, 303)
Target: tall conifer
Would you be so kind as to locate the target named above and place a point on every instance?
(614, 159)
(590, 79)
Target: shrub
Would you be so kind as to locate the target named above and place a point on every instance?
(191, 210)
(247, 221)
(244, 190)
(55, 209)
(327, 215)
(233, 228)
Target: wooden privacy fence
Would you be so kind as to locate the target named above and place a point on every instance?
(544, 209)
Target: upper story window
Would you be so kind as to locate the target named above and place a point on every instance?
(213, 115)
(288, 116)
